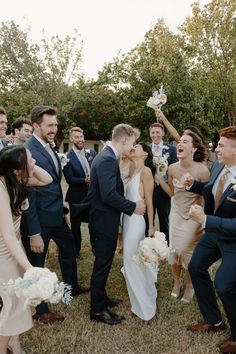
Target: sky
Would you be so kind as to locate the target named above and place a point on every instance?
(106, 26)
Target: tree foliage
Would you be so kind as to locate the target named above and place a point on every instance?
(196, 67)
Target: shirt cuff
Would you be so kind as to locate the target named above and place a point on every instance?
(188, 187)
(204, 222)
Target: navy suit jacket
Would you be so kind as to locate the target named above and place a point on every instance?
(223, 221)
(46, 202)
(106, 194)
(75, 176)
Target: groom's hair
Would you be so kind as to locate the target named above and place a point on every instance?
(228, 132)
(122, 131)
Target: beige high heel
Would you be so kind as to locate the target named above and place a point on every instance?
(188, 294)
(176, 288)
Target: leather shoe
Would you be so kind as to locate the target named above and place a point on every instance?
(107, 317)
(80, 290)
(48, 318)
(228, 346)
(206, 327)
(112, 302)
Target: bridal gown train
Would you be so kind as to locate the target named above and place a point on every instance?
(140, 279)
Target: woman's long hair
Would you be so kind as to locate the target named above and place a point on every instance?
(149, 160)
(13, 158)
(201, 153)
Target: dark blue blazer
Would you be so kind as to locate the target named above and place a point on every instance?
(46, 202)
(75, 176)
(106, 194)
(223, 221)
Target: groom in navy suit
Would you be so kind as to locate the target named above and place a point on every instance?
(77, 175)
(161, 200)
(218, 242)
(106, 196)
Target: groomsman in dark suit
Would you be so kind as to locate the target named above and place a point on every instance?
(106, 196)
(161, 200)
(217, 242)
(77, 175)
(45, 216)
(3, 127)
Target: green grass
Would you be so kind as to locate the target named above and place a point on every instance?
(165, 334)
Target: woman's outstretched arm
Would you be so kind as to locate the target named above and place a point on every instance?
(173, 132)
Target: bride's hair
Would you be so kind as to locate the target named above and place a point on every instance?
(13, 158)
(149, 160)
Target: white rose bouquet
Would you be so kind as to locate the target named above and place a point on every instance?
(157, 99)
(151, 249)
(37, 285)
(63, 159)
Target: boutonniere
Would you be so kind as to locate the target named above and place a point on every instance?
(63, 159)
(165, 147)
(233, 182)
(87, 154)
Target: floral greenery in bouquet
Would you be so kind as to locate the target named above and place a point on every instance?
(157, 99)
(152, 249)
(161, 162)
(37, 285)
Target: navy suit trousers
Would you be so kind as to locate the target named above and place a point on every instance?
(63, 237)
(208, 251)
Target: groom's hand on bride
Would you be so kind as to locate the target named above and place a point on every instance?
(140, 207)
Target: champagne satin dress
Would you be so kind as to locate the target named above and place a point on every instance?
(14, 318)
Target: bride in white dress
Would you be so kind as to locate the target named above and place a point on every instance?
(140, 279)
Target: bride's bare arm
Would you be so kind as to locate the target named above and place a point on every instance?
(148, 186)
(8, 232)
(39, 177)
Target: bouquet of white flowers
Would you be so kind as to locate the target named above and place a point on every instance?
(157, 99)
(161, 162)
(151, 249)
(63, 159)
(37, 285)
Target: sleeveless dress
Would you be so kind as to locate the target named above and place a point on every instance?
(184, 232)
(140, 279)
(14, 319)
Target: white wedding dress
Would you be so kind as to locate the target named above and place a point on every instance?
(140, 279)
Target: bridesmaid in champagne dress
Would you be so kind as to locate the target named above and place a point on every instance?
(184, 233)
(17, 170)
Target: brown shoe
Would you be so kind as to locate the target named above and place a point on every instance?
(48, 318)
(228, 346)
(206, 327)
(80, 290)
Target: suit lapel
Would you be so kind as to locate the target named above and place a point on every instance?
(42, 150)
(76, 161)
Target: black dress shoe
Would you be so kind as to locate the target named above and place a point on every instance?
(107, 317)
(112, 302)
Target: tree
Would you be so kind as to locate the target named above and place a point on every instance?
(134, 76)
(210, 42)
(33, 74)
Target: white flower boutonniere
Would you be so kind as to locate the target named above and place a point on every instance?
(87, 154)
(233, 181)
(63, 159)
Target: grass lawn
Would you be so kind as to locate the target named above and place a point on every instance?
(165, 334)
